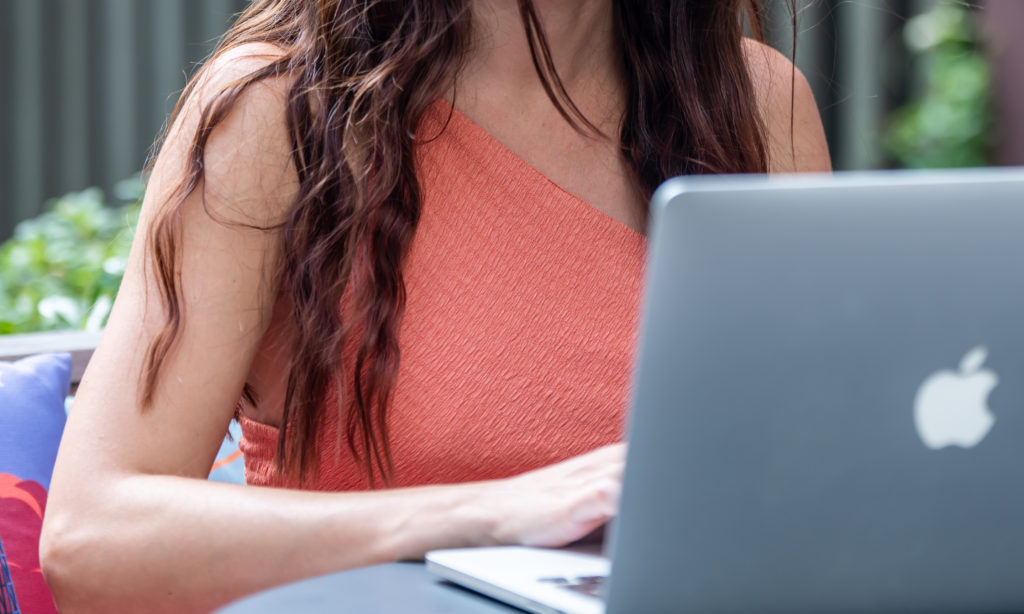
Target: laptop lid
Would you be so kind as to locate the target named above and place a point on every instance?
(828, 407)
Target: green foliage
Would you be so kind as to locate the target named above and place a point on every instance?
(951, 124)
(62, 269)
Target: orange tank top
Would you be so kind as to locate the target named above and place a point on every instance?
(519, 329)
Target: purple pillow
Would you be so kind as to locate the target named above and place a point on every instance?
(32, 415)
(32, 418)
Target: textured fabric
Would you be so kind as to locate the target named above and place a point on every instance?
(519, 330)
(32, 418)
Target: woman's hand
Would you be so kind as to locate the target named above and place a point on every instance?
(558, 504)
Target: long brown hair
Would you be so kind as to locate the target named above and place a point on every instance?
(362, 74)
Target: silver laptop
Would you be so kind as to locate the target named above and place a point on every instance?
(828, 407)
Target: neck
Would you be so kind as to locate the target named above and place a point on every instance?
(580, 38)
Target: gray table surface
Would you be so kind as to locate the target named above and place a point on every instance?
(395, 588)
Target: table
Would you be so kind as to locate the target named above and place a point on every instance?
(405, 588)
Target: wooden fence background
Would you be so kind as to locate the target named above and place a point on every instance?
(85, 85)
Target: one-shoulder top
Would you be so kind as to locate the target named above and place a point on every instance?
(519, 328)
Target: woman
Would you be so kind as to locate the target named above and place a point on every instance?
(417, 264)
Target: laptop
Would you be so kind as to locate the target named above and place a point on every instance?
(828, 407)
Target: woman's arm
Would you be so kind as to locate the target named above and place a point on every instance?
(796, 138)
(132, 524)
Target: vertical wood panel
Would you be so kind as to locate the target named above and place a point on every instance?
(50, 89)
(120, 91)
(7, 214)
(28, 125)
(863, 27)
(168, 39)
(96, 30)
(75, 105)
(85, 87)
(1005, 21)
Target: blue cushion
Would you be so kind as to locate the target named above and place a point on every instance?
(32, 392)
(229, 466)
(32, 418)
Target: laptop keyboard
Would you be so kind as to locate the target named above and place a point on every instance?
(593, 586)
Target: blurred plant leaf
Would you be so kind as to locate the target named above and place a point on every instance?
(951, 123)
(62, 269)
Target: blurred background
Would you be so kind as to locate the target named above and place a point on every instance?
(88, 84)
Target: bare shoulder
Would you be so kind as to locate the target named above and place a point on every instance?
(226, 275)
(246, 160)
(244, 58)
(265, 97)
(796, 138)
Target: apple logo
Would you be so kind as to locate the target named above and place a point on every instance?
(951, 407)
